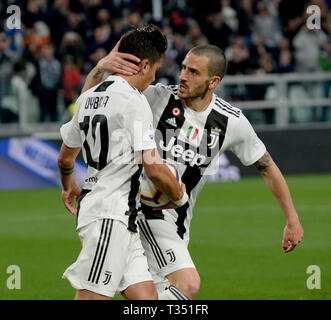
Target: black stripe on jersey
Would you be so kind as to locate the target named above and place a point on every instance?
(227, 108)
(81, 197)
(105, 252)
(177, 293)
(157, 252)
(103, 86)
(216, 124)
(167, 130)
(134, 189)
(236, 110)
(173, 89)
(154, 250)
(151, 214)
(101, 250)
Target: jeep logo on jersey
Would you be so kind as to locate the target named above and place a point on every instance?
(178, 151)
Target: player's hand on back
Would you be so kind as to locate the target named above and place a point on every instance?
(118, 62)
(68, 197)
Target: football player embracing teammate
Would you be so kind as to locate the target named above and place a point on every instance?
(113, 126)
(194, 127)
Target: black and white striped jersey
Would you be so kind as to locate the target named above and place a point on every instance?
(112, 123)
(195, 140)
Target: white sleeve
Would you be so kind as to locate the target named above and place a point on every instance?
(151, 94)
(139, 122)
(155, 95)
(247, 146)
(70, 131)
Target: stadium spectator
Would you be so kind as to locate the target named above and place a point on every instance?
(266, 27)
(237, 55)
(179, 48)
(245, 19)
(169, 72)
(57, 18)
(291, 17)
(307, 44)
(33, 13)
(194, 37)
(36, 37)
(71, 79)
(77, 23)
(285, 61)
(47, 82)
(218, 32)
(87, 30)
(229, 15)
(8, 57)
(102, 38)
(325, 65)
(103, 16)
(72, 45)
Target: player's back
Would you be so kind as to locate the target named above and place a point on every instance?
(107, 119)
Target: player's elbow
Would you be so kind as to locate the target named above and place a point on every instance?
(152, 171)
(67, 156)
(64, 161)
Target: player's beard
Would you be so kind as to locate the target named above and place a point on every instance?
(198, 92)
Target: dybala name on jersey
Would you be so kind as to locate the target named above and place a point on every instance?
(96, 102)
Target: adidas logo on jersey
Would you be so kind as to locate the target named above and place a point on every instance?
(172, 122)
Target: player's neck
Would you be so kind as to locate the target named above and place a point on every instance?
(199, 104)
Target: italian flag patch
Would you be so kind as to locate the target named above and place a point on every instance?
(192, 133)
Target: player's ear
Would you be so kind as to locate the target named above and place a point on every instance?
(214, 82)
(144, 65)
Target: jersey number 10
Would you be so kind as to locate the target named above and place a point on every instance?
(104, 139)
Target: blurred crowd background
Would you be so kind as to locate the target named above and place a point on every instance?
(60, 41)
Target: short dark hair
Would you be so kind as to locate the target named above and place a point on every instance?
(217, 63)
(146, 42)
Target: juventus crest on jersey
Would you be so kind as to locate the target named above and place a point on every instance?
(195, 140)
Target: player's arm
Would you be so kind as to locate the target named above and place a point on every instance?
(114, 62)
(66, 164)
(161, 176)
(293, 231)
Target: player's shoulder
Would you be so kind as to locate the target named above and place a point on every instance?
(115, 84)
(164, 90)
(225, 108)
(172, 89)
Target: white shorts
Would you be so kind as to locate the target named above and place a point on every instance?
(165, 250)
(112, 259)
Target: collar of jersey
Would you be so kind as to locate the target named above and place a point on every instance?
(200, 113)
